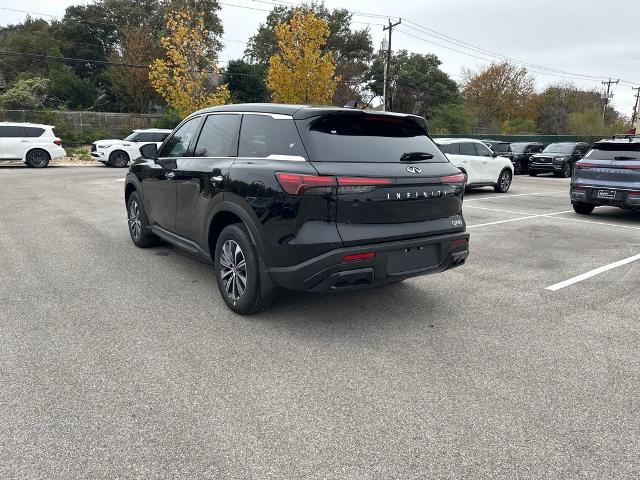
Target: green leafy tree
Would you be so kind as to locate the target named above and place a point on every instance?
(71, 91)
(451, 117)
(246, 82)
(417, 85)
(28, 94)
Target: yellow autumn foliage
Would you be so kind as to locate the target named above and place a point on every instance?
(183, 76)
(299, 72)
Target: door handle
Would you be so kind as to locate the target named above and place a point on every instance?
(170, 175)
(217, 179)
(24, 141)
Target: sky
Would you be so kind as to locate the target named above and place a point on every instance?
(576, 39)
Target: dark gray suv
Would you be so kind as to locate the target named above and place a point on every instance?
(609, 174)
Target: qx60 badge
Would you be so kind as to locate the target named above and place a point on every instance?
(412, 169)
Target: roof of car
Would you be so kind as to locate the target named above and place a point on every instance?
(527, 143)
(489, 140)
(25, 124)
(157, 130)
(296, 111)
(621, 139)
(456, 140)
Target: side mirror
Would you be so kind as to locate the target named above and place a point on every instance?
(149, 151)
(494, 154)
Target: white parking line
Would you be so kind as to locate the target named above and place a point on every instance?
(517, 219)
(120, 179)
(501, 196)
(592, 273)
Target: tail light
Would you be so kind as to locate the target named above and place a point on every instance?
(359, 256)
(459, 178)
(459, 242)
(58, 142)
(297, 184)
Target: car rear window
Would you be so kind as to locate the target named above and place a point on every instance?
(33, 132)
(366, 138)
(614, 151)
(501, 147)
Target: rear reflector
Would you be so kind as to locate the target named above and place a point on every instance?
(459, 242)
(579, 189)
(459, 178)
(359, 256)
(58, 142)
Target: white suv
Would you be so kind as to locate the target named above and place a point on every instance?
(118, 153)
(32, 143)
(478, 162)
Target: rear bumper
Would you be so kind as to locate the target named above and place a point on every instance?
(626, 198)
(393, 261)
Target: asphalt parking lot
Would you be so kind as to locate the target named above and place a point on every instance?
(118, 362)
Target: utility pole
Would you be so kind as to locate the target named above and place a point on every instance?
(634, 117)
(607, 96)
(387, 70)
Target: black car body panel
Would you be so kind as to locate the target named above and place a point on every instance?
(556, 155)
(228, 163)
(609, 174)
(522, 152)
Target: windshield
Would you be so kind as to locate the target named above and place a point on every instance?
(501, 147)
(614, 151)
(518, 147)
(559, 148)
(368, 138)
(130, 137)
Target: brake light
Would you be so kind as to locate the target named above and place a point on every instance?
(579, 189)
(359, 256)
(585, 165)
(296, 184)
(361, 181)
(459, 242)
(58, 142)
(459, 178)
(634, 194)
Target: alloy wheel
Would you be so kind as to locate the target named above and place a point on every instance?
(135, 225)
(505, 181)
(38, 158)
(233, 270)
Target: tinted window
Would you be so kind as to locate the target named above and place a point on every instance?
(520, 147)
(560, 148)
(451, 148)
(219, 136)
(501, 147)
(131, 137)
(178, 144)
(263, 135)
(145, 137)
(466, 148)
(615, 151)
(33, 132)
(6, 131)
(367, 138)
(159, 137)
(482, 150)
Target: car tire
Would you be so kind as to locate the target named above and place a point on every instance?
(138, 222)
(237, 270)
(504, 182)
(517, 168)
(583, 208)
(118, 159)
(37, 158)
(567, 169)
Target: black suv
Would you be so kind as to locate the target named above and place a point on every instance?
(608, 175)
(500, 147)
(557, 158)
(300, 197)
(522, 152)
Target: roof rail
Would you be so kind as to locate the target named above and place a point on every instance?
(625, 135)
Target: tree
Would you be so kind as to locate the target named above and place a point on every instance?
(246, 82)
(417, 84)
(70, 91)
(28, 94)
(500, 92)
(300, 72)
(589, 123)
(352, 50)
(186, 77)
(451, 117)
(131, 85)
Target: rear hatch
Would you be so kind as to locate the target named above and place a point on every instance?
(393, 181)
(614, 165)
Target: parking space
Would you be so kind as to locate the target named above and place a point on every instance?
(122, 362)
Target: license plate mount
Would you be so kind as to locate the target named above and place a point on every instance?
(606, 194)
(415, 258)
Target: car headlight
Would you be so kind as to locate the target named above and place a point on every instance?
(560, 159)
(104, 146)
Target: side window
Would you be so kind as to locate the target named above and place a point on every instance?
(159, 137)
(178, 144)
(144, 137)
(466, 148)
(451, 148)
(482, 150)
(33, 132)
(219, 137)
(263, 135)
(538, 148)
(12, 132)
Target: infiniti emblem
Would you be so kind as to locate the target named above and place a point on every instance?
(412, 169)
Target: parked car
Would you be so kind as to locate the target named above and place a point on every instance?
(298, 197)
(34, 144)
(118, 153)
(557, 158)
(609, 174)
(522, 151)
(500, 147)
(482, 166)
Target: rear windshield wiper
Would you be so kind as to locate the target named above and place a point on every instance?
(415, 156)
(625, 158)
